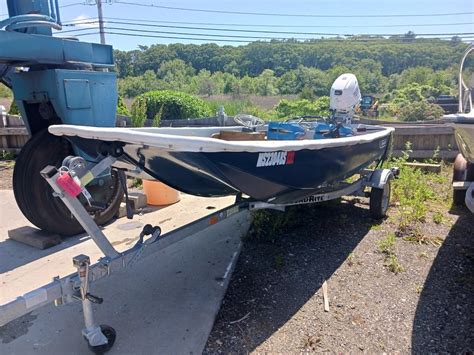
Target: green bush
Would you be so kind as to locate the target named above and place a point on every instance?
(139, 112)
(232, 107)
(121, 108)
(319, 107)
(414, 93)
(420, 111)
(168, 105)
(14, 109)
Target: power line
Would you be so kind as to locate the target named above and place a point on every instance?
(280, 40)
(199, 34)
(78, 21)
(73, 4)
(282, 32)
(287, 15)
(291, 26)
(87, 34)
(256, 31)
(273, 25)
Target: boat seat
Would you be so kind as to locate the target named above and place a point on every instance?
(239, 136)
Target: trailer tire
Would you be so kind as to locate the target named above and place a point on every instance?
(110, 334)
(462, 171)
(380, 200)
(35, 197)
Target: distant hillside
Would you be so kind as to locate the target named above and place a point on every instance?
(394, 55)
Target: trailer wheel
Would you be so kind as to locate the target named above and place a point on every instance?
(110, 334)
(35, 197)
(380, 200)
(460, 170)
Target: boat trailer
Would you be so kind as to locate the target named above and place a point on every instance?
(69, 181)
(467, 190)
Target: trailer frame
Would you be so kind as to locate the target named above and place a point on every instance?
(77, 286)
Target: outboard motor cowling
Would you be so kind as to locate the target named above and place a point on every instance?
(344, 97)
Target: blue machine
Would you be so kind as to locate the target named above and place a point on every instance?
(324, 130)
(55, 80)
(307, 130)
(285, 131)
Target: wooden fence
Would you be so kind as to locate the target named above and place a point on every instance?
(13, 133)
(425, 138)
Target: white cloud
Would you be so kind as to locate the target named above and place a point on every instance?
(83, 21)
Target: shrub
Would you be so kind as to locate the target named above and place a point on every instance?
(139, 112)
(420, 111)
(414, 93)
(14, 109)
(232, 107)
(121, 108)
(168, 105)
(320, 107)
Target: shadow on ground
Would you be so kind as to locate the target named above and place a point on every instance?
(273, 280)
(14, 254)
(444, 315)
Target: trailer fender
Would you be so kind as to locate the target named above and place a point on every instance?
(379, 178)
(469, 199)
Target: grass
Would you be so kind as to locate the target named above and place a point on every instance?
(393, 265)
(386, 245)
(350, 259)
(421, 238)
(438, 217)
(417, 193)
(241, 106)
(4, 155)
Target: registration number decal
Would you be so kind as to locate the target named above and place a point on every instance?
(275, 158)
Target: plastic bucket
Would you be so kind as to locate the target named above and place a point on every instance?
(159, 194)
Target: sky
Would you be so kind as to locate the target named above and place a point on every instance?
(374, 22)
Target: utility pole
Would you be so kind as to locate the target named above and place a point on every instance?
(101, 21)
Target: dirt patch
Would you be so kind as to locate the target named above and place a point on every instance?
(6, 174)
(274, 302)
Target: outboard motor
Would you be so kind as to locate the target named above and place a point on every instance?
(344, 97)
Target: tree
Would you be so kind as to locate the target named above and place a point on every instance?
(133, 86)
(204, 83)
(266, 83)
(175, 74)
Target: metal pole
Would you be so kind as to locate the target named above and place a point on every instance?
(101, 21)
(462, 85)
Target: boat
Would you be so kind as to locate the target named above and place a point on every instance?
(198, 162)
(276, 162)
(464, 134)
(463, 120)
(463, 124)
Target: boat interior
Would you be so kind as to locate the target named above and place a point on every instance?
(268, 131)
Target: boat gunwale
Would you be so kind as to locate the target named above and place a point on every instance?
(171, 142)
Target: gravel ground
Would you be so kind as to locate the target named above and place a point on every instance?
(6, 173)
(274, 302)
